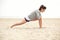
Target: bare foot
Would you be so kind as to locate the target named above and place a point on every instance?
(12, 26)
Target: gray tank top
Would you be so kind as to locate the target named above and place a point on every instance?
(34, 15)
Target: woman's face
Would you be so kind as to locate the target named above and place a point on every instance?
(42, 10)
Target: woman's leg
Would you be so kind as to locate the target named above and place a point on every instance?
(20, 23)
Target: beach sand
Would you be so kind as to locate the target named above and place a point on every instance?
(30, 30)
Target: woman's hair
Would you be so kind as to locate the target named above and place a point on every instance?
(42, 7)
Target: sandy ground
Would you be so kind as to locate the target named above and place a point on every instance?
(30, 30)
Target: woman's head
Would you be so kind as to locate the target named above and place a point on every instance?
(42, 8)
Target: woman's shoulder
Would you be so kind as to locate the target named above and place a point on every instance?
(37, 11)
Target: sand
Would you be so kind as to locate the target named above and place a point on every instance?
(30, 30)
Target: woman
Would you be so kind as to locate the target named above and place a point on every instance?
(35, 15)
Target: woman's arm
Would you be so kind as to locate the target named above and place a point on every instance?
(40, 22)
